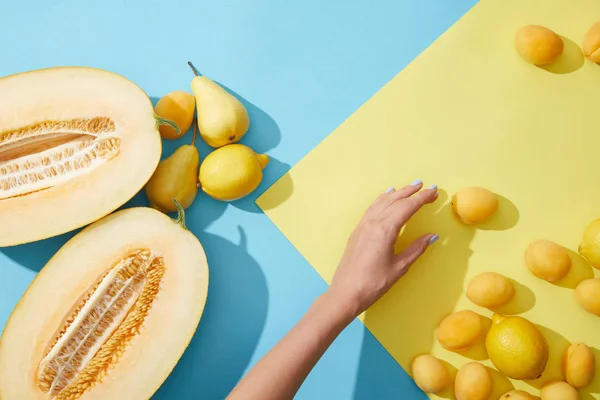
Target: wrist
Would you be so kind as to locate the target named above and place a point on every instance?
(340, 308)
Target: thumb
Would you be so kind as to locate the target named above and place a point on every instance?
(415, 250)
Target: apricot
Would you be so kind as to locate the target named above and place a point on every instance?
(538, 45)
(473, 382)
(178, 107)
(559, 391)
(460, 331)
(490, 289)
(474, 204)
(516, 395)
(591, 43)
(587, 294)
(547, 260)
(579, 365)
(430, 374)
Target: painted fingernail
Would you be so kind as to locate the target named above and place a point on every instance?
(432, 187)
(390, 190)
(416, 183)
(433, 239)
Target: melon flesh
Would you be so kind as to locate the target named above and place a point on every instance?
(110, 314)
(75, 145)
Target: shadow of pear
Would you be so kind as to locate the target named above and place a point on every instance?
(570, 61)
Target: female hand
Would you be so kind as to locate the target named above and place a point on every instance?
(369, 266)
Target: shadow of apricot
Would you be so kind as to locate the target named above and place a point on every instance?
(523, 301)
(593, 390)
(570, 61)
(506, 217)
(557, 345)
(580, 271)
(500, 383)
(478, 352)
(449, 392)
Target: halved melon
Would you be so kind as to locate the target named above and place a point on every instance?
(110, 314)
(75, 144)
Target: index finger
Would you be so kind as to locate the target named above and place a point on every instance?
(403, 209)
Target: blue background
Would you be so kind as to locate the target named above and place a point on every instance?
(301, 68)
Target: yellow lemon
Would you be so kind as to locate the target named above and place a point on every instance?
(517, 348)
(590, 244)
(232, 172)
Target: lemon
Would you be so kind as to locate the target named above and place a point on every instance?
(517, 348)
(590, 244)
(232, 172)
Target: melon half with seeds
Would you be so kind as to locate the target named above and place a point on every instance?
(110, 314)
(75, 144)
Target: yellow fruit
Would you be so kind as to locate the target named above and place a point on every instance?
(579, 365)
(222, 119)
(474, 204)
(590, 244)
(460, 331)
(473, 382)
(517, 348)
(547, 260)
(430, 374)
(559, 391)
(75, 144)
(490, 289)
(232, 172)
(591, 43)
(176, 177)
(516, 395)
(110, 314)
(587, 294)
(178, 107)
(538, 45)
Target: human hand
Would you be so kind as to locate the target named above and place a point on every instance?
(369, 266)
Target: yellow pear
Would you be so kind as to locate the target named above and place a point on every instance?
(175, 178)
(222, 119)
(232, 172)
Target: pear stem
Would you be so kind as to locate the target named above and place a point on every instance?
(195, 131)
(163, 121)
(180, 214)
(194, 69)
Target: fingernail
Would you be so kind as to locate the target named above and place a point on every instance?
(416, 183)
(390, 190)
(432, 187)
(433, 239)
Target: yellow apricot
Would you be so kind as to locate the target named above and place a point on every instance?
(490, 289)
(579, 365)
(473, 382)
(538, 45)
(559, 391)
(474, 204)
(177, 106)
(587, 294)
(547, 260)
(459, 331)
(430, 374)
(516, 395)
(591, 43)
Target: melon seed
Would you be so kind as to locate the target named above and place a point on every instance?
(102, 324)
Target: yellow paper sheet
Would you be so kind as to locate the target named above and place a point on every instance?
(468, 111)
